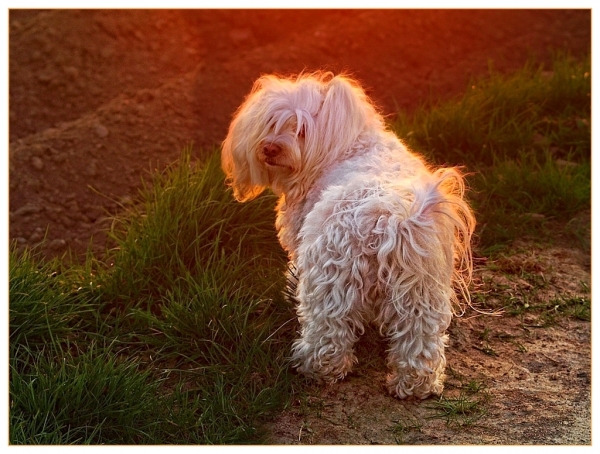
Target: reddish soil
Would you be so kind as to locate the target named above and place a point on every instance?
(98, 98)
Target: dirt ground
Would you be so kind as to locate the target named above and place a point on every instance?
(98, 98)
(511, 380)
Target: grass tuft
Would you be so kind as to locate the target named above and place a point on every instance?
(463, 410)
(501, 115)
(525, 139)
(188, 225)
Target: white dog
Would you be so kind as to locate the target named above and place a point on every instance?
(374, 234)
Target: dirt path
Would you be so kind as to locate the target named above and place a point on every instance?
(98, 98)
(511, 380)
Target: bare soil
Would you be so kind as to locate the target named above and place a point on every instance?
(99, 98)
(511, 379)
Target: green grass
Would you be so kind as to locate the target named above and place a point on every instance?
(518, 197)
(524, 139)
(461, 411)
(92, 396)
(463, 403)
(180, 335)
(552, 312)
(403, 427)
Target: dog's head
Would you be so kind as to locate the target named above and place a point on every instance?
(288, 129)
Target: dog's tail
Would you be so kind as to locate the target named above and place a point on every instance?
(462, 221)
(429, 245)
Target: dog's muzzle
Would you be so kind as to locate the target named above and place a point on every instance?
(270, 152)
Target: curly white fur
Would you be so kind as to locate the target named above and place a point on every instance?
(374, 234)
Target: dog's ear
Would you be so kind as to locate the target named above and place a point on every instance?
(341, 109)
(238, 162)
(346, 111)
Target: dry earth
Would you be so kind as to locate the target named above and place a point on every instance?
(100, 97)
(511, 380)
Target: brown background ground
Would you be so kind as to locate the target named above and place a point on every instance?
(100, 97)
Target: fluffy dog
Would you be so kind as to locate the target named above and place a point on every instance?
(374, 234)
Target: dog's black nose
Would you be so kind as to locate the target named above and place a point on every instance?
(271, 150)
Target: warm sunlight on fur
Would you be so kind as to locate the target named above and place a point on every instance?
(373, 234)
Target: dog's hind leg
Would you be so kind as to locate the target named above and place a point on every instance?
(416, 269)
(416, 353)
(415, 315)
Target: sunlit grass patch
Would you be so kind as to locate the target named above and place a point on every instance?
(187, 225)
(46, 302)
(501, 115)
(518, 197)
(525, 141)
(548, 313)
(464, 400)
